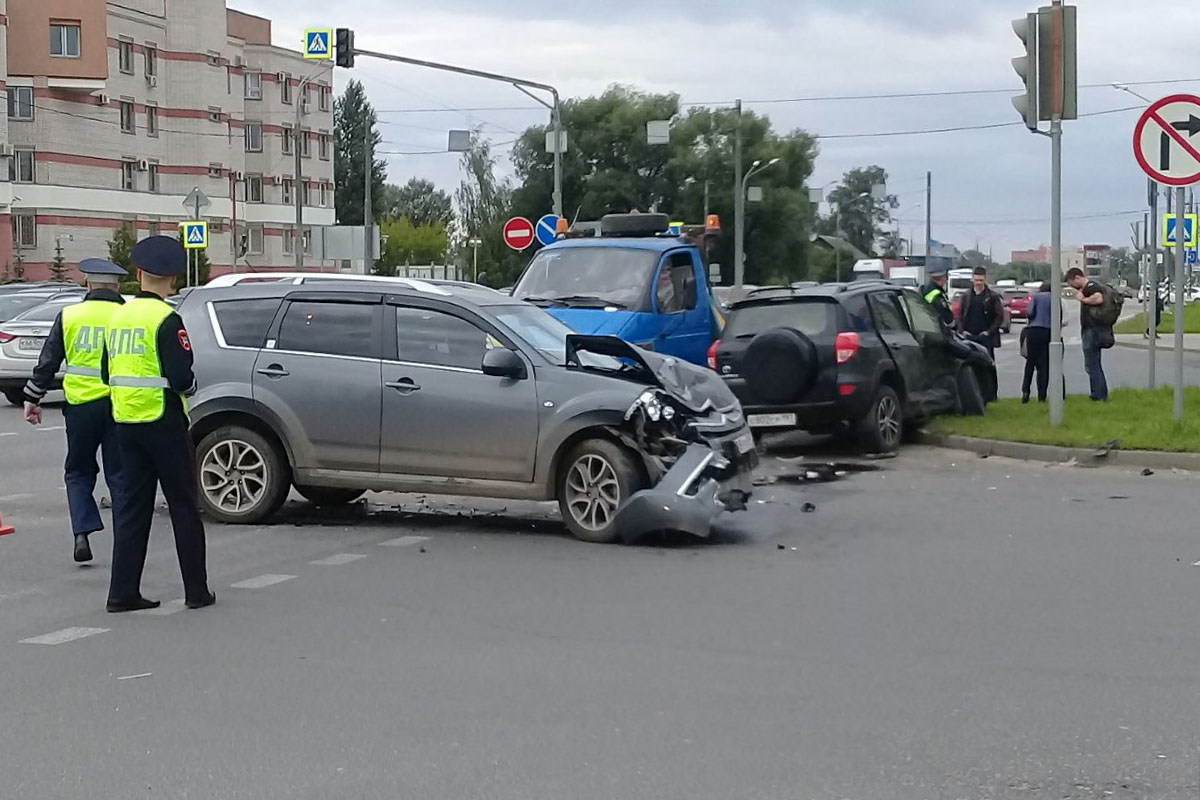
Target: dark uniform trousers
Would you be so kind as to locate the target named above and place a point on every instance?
(157, 453)
(90, 427)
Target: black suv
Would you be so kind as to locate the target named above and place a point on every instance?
(863, 357)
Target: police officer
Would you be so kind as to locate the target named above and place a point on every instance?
(78, 338)
(148, 367)
(935, 293)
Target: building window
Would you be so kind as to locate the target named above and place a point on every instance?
(64, 40)
(151, 56)
(152, 177)
(24, 231)
(20, 166)
(20, 102)
(306, 144)
(128, 122)
(151, 120)
(285, 88)
(254, 86)
(254, 142)
(215, 170)
(323, 95)
(324, 198)
(289, 235)
(125, 56)
(129, 175)
(288, 197)
(304, 193)
(254, 188)
(324, 146)
(256, 243)
(306, 239)
(289, 140)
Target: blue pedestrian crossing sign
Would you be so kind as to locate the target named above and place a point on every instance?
(675, 229)
(1168, 230)
(546, 229)
(195, 235)
(318, 43)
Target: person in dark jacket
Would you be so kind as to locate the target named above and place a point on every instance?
(982, 313)
(934, 293)
(1036, 338)
(77, 338)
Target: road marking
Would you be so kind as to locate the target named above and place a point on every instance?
(262, 581)
(165, 610)
(404, 541)
(46, 428)
(2, 435)
(8, 498)
(338, 560)
(65, 635)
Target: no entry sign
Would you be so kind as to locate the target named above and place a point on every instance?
(1166, 140)
(518, 233)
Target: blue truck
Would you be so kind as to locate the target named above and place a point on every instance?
(636, 280)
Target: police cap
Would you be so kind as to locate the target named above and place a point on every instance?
(160, 255)
(934, 270)
(100, 266)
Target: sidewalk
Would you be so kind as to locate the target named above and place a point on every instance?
(1166, 341)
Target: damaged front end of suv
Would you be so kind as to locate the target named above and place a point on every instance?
(688, 428)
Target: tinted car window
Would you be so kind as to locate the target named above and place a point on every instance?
(431, 337)
(814, 318)
(676, 289)
(888, 316)
(244, 323)
(856, 311)
(341, 329)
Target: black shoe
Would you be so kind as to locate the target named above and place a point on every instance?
(83, 551)
(1025, 399)
(137, 604)
(201, 602)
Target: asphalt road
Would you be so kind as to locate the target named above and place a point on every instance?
(1125, 367)
(944, 627)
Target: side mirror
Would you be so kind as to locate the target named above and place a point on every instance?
(503, 363)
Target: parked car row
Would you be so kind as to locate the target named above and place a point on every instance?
(27, 312)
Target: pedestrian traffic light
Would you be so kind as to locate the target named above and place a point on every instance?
(345, 48)
(1026, 66)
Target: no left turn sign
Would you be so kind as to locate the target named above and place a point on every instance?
(1166, 140)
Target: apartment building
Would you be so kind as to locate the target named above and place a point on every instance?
(117, 110)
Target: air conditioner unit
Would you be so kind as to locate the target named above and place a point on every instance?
(305, 106)
(103, 99)
(281, 76)
(237, 61)
(238, 176)
(143, 165)
(152, 81)
(6, 150)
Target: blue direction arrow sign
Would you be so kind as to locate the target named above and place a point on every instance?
(318, 43)
(1169, 223)
(195, 235)
(1192, 257)
(547, 229)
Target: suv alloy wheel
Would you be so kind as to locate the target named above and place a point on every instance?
(243, 477)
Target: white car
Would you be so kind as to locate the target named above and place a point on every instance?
(21, 340)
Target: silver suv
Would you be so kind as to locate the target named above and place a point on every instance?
(338, 387)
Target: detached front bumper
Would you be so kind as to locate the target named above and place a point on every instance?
(707, 479)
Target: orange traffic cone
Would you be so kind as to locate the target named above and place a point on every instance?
(6, 529)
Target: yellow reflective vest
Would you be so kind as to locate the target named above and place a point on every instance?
(135, 375)
(83, 328)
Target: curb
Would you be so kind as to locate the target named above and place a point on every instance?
(1160, 348)
(1084, 456)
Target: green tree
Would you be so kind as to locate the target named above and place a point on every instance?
(977, 258)
(483, 203)
(120, 252)
(411, 244)
(860, 217)
(354, 120)
(420, 201)
(58, 264)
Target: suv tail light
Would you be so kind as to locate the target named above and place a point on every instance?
(712, 354)
(847, 345)
(5, 338)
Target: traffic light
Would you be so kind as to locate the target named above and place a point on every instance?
(1027, 104)
(345, 48)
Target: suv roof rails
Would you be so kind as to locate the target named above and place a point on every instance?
(299, 278)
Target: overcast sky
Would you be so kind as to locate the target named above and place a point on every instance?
(990, 186)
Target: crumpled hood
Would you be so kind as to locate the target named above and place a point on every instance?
(694, 387)
(594, 321)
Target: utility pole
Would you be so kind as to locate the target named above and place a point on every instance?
(1181, 239)
(739, 207)
(928, 217)
(1152, 280)
(1057, 400)
(298, 236)
(368, 185)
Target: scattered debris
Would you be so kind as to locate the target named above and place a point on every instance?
(984, 455)
(105, 502)
(766, 480)
(808, 508)
(879, 456)
(1197, 564)
(422, 549)
(1147, 472)
(781, 547)
(1108, 447)
(133, 677)
(1118, 497)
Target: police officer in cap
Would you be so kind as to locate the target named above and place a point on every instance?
(935, 293)
(78, 338)
(148, 367)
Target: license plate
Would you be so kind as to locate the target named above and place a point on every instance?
(771, 420)
(744, 443)
(29, 343)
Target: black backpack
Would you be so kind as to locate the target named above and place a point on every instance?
(1108, 312)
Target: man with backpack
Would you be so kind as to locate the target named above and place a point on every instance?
(1100, 308)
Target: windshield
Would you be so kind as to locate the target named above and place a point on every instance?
(12, 305)
(615, 275)
(546, 334)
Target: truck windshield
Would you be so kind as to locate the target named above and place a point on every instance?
(579, 276)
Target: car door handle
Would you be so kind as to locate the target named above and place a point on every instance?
(404, 386)
(273, 371)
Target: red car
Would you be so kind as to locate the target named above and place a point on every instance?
(1017, 302)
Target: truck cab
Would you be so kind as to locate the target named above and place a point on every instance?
(636, 281)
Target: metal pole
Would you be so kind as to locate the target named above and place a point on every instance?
(298, 235)
(368, 216)
(476, 249)
(558, 156)
(1152, 282)
(1056, 275)
(739, 207)
(928, 217)
(1181, 239)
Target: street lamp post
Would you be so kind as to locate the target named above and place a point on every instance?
(475, 242)
(739, 224)
(298, 234)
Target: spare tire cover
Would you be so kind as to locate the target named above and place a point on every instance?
(780, 365)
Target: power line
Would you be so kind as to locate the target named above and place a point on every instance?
(958, 128)
(1031, 221)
